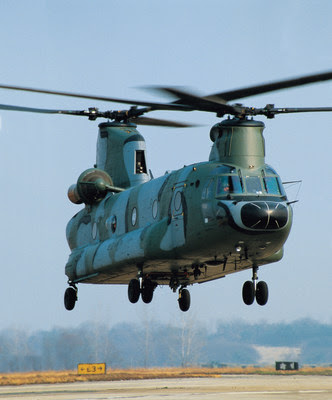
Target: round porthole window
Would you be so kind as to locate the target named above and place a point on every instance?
(177, 201)
(155, 209)
(134, 216)
(94, 231)
(113, 223)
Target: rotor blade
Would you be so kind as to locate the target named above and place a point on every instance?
(154, 106)
(7, 107)
(161, 122)
(269, 87)
(270, 111)
(199, 103)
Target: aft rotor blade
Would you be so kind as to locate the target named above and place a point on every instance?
(153, 105)
(198, 103)
(269, 87)
(161, 122)
(270, 112)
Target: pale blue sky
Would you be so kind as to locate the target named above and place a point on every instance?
(112, 48)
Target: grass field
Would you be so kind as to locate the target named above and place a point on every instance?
(25, 378)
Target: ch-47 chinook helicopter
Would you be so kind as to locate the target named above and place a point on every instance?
(199, 223)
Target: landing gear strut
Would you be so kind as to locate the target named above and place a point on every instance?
(70, 297)
(253, 289)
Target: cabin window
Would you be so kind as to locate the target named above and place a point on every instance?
(113, 223)
(178, 201)
(140, 164)
(253, 184)
(155, 209)
(134, 216)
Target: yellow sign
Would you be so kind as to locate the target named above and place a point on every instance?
(96, 369)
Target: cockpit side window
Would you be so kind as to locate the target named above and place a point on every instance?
(227, 184)
(271, 185)
(208, 190)
(223, 185)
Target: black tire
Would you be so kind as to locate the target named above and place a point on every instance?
(147, 291)
(133, 291)
(262, 293)
(184, 300)
(70, 298)
(248, 293)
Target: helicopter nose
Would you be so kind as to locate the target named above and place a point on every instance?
(264, 215)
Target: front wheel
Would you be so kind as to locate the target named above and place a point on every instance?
(70, 298)
(262, 293)
(248, 293)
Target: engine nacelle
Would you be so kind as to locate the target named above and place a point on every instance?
(91, 187)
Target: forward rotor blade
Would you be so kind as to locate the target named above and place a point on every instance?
(154, 106)
(94, 113)
(269, 87)
(7, 107)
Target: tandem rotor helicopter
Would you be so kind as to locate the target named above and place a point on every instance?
(197, 224)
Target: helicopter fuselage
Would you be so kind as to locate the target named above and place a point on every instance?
(195, 224)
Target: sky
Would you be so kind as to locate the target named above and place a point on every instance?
(116, 48)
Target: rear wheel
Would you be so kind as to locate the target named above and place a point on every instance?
(147, 290)
(248, 292)
(133, 291)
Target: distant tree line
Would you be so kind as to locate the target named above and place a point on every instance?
(156, 344)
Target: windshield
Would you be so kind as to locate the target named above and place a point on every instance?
(253, 185)
(229, 184)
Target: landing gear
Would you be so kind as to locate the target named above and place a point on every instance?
(146, 289)
(70, 298)
(184, 299)
(262, 293)
(134, 290)
(253, 289)
(248, 293)
(143, 286)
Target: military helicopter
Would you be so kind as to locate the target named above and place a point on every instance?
(197, 224)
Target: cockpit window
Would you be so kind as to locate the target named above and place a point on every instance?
(269, 170)
(271, 185)
(224, 169)
(228, 184)
(208, 190)
(253, 185)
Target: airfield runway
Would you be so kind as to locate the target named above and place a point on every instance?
(244, 387)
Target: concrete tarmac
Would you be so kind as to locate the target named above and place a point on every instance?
(244, 387)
